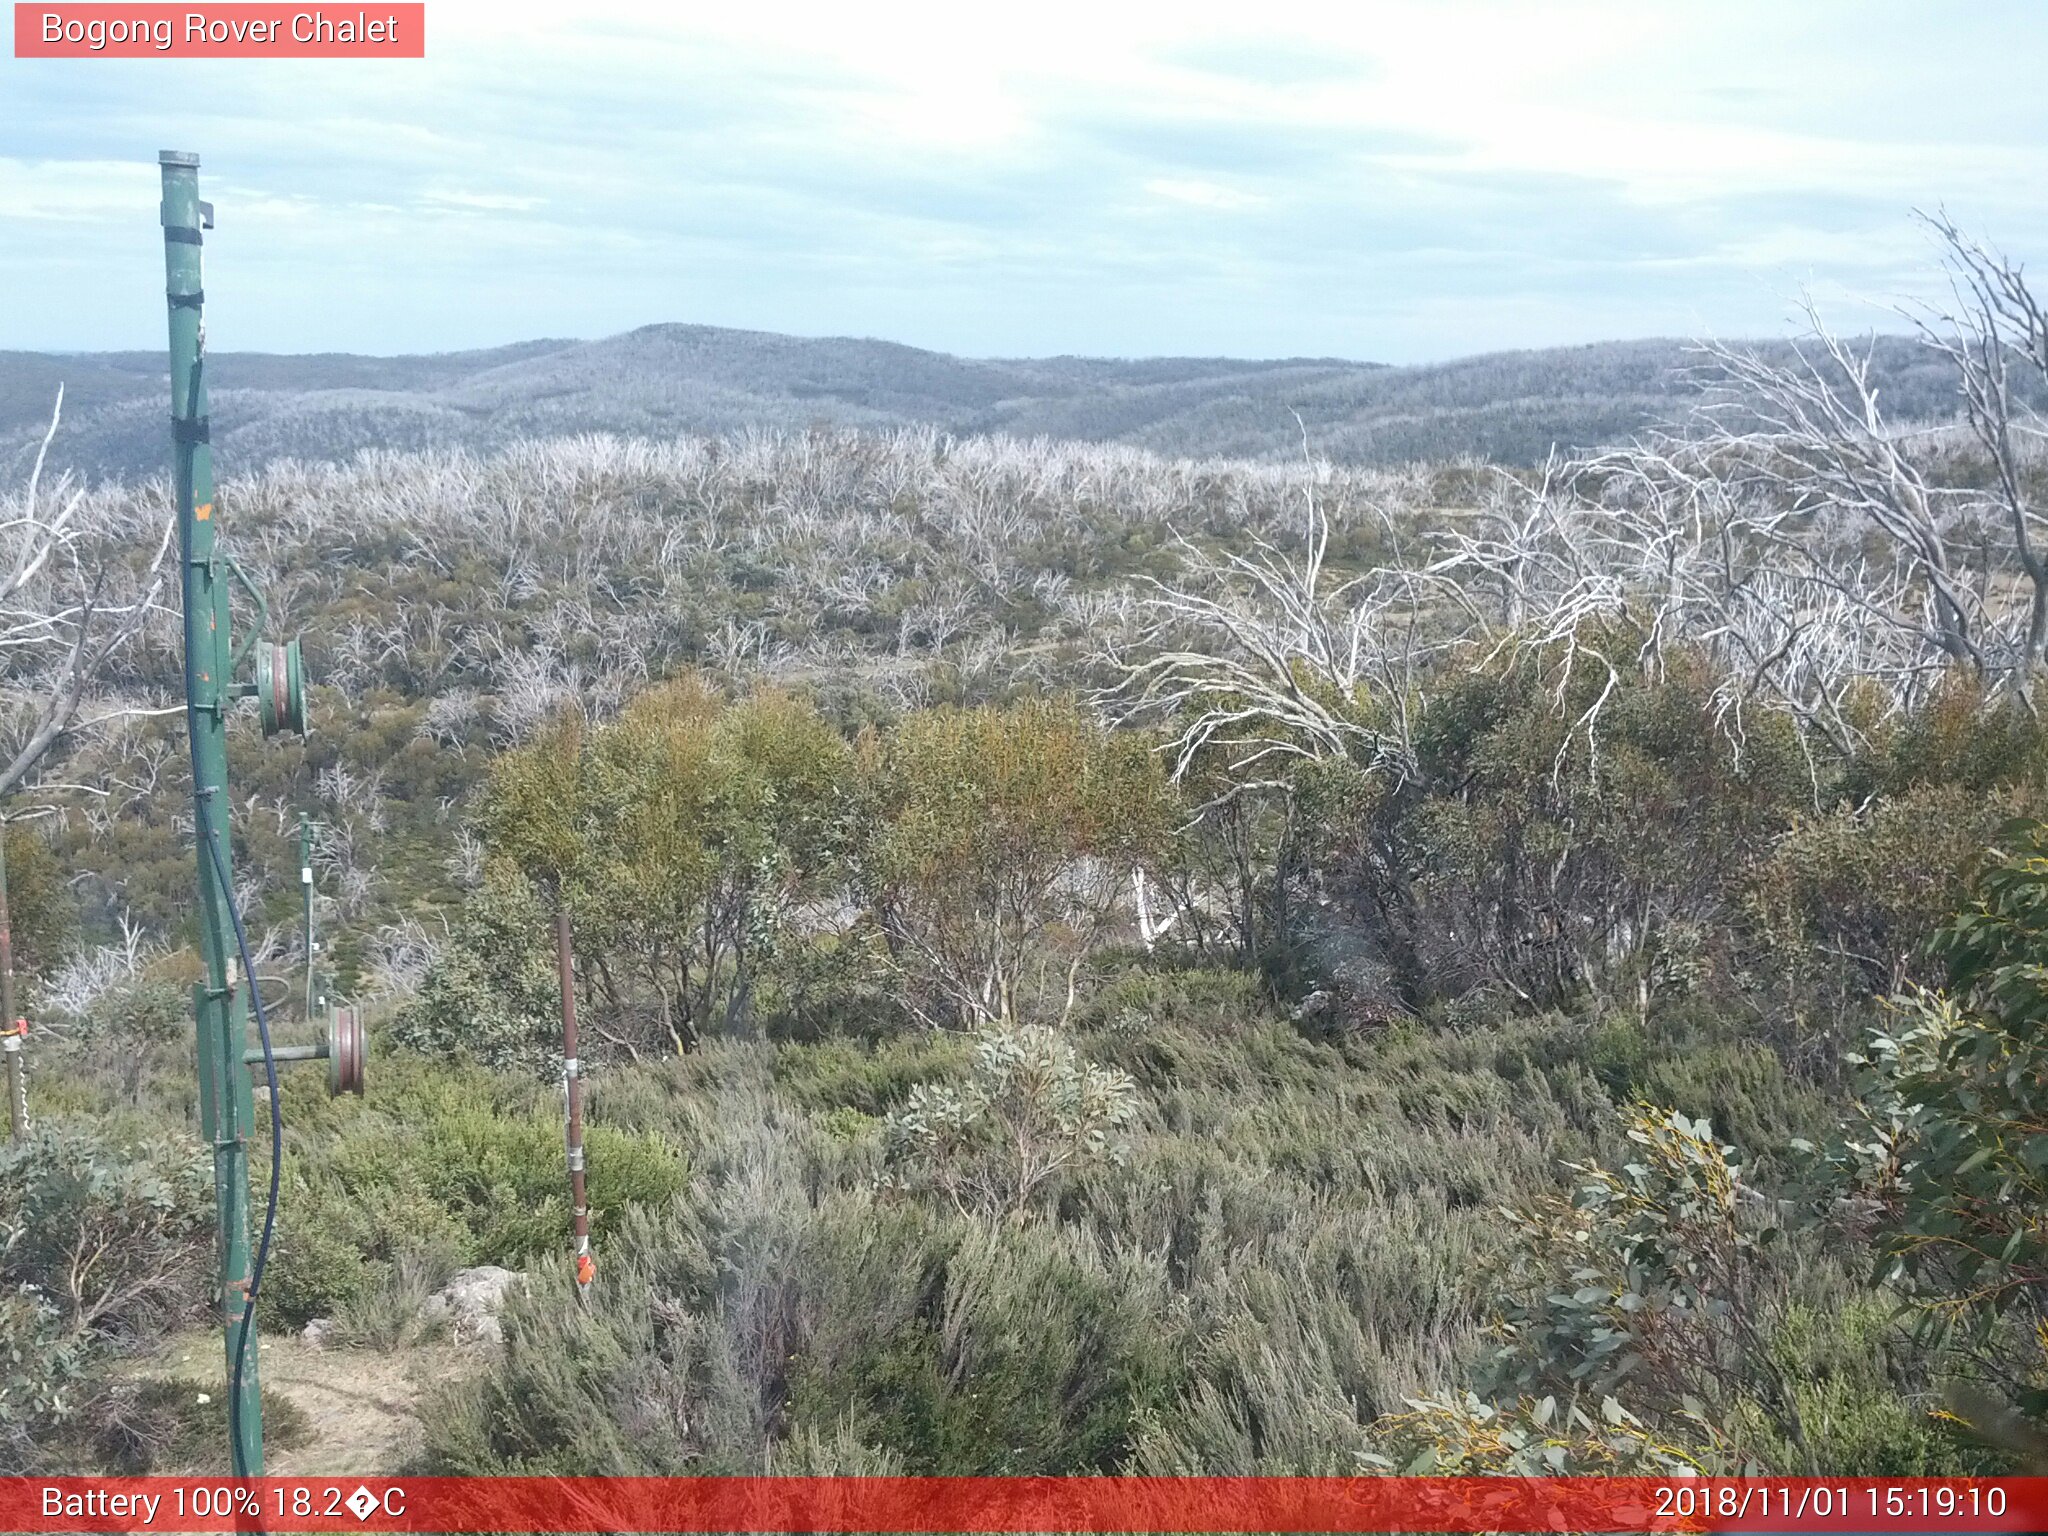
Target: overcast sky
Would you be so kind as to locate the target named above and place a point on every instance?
(1363, 179)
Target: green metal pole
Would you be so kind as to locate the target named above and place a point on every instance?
(226, 1107)
(306, 888)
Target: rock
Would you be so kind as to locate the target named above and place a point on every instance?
(318, 1332)
(471, 1302)
(1314, 1006)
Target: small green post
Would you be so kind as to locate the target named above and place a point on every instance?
(226, 1107)
(306, 891)
(11, 1031)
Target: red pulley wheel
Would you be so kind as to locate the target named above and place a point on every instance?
(345, 1053)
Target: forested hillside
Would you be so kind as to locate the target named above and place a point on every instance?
(661, 380)
(1098, 961)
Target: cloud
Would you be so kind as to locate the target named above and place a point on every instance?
(74, 191)
(1411, 179)
(487, 202)
(1202, 194)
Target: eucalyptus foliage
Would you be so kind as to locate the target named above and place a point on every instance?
(1032, 1111)
(1973, 1173)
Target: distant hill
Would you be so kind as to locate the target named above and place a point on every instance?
(662, 380)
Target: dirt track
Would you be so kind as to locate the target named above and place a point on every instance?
(363, 1405)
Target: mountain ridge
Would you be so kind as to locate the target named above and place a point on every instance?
(672, 378)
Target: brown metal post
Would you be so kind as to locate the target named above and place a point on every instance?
(572, 1082)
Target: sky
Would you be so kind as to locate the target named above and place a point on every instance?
(1370, 179)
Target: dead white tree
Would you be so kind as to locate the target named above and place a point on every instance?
(1819, 551)
(1815, 546)
(1262, 658)
(1992, 326)
(70, 597)
(1809, 439)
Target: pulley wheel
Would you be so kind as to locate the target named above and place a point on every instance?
(345, 1053)
(280, 688)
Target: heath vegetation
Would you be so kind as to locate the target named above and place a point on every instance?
(1093, 961)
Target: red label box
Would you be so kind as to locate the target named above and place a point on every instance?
(104, 30)
(1448, 1506)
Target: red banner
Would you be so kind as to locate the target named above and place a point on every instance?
(1015, 1504)
(232, 31)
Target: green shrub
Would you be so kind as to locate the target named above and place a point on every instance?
(825, 988)
(1031, 1115)
(999, 843)
(156, 1426)
(1565, 824)
(1461, 1436)
(317, 1266)
(442, 1165)
(1868, 1396)
(41, 1362)
(682, 835)
(492, 992)
(1871, 887)
(1744, 1086)
(149, 1010)
(1138, 1001)
(1958, 737)
(504, 1180)
(976, 1351)
(116, 1238)
(1617, 1052)
(392, 1311)
(725, 1333)
(42, 914)
(97, 1241)
(847, 1123)
(1653, 1286)
(873, 1079)
(1962, 1113)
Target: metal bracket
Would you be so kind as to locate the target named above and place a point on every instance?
(262, 624)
